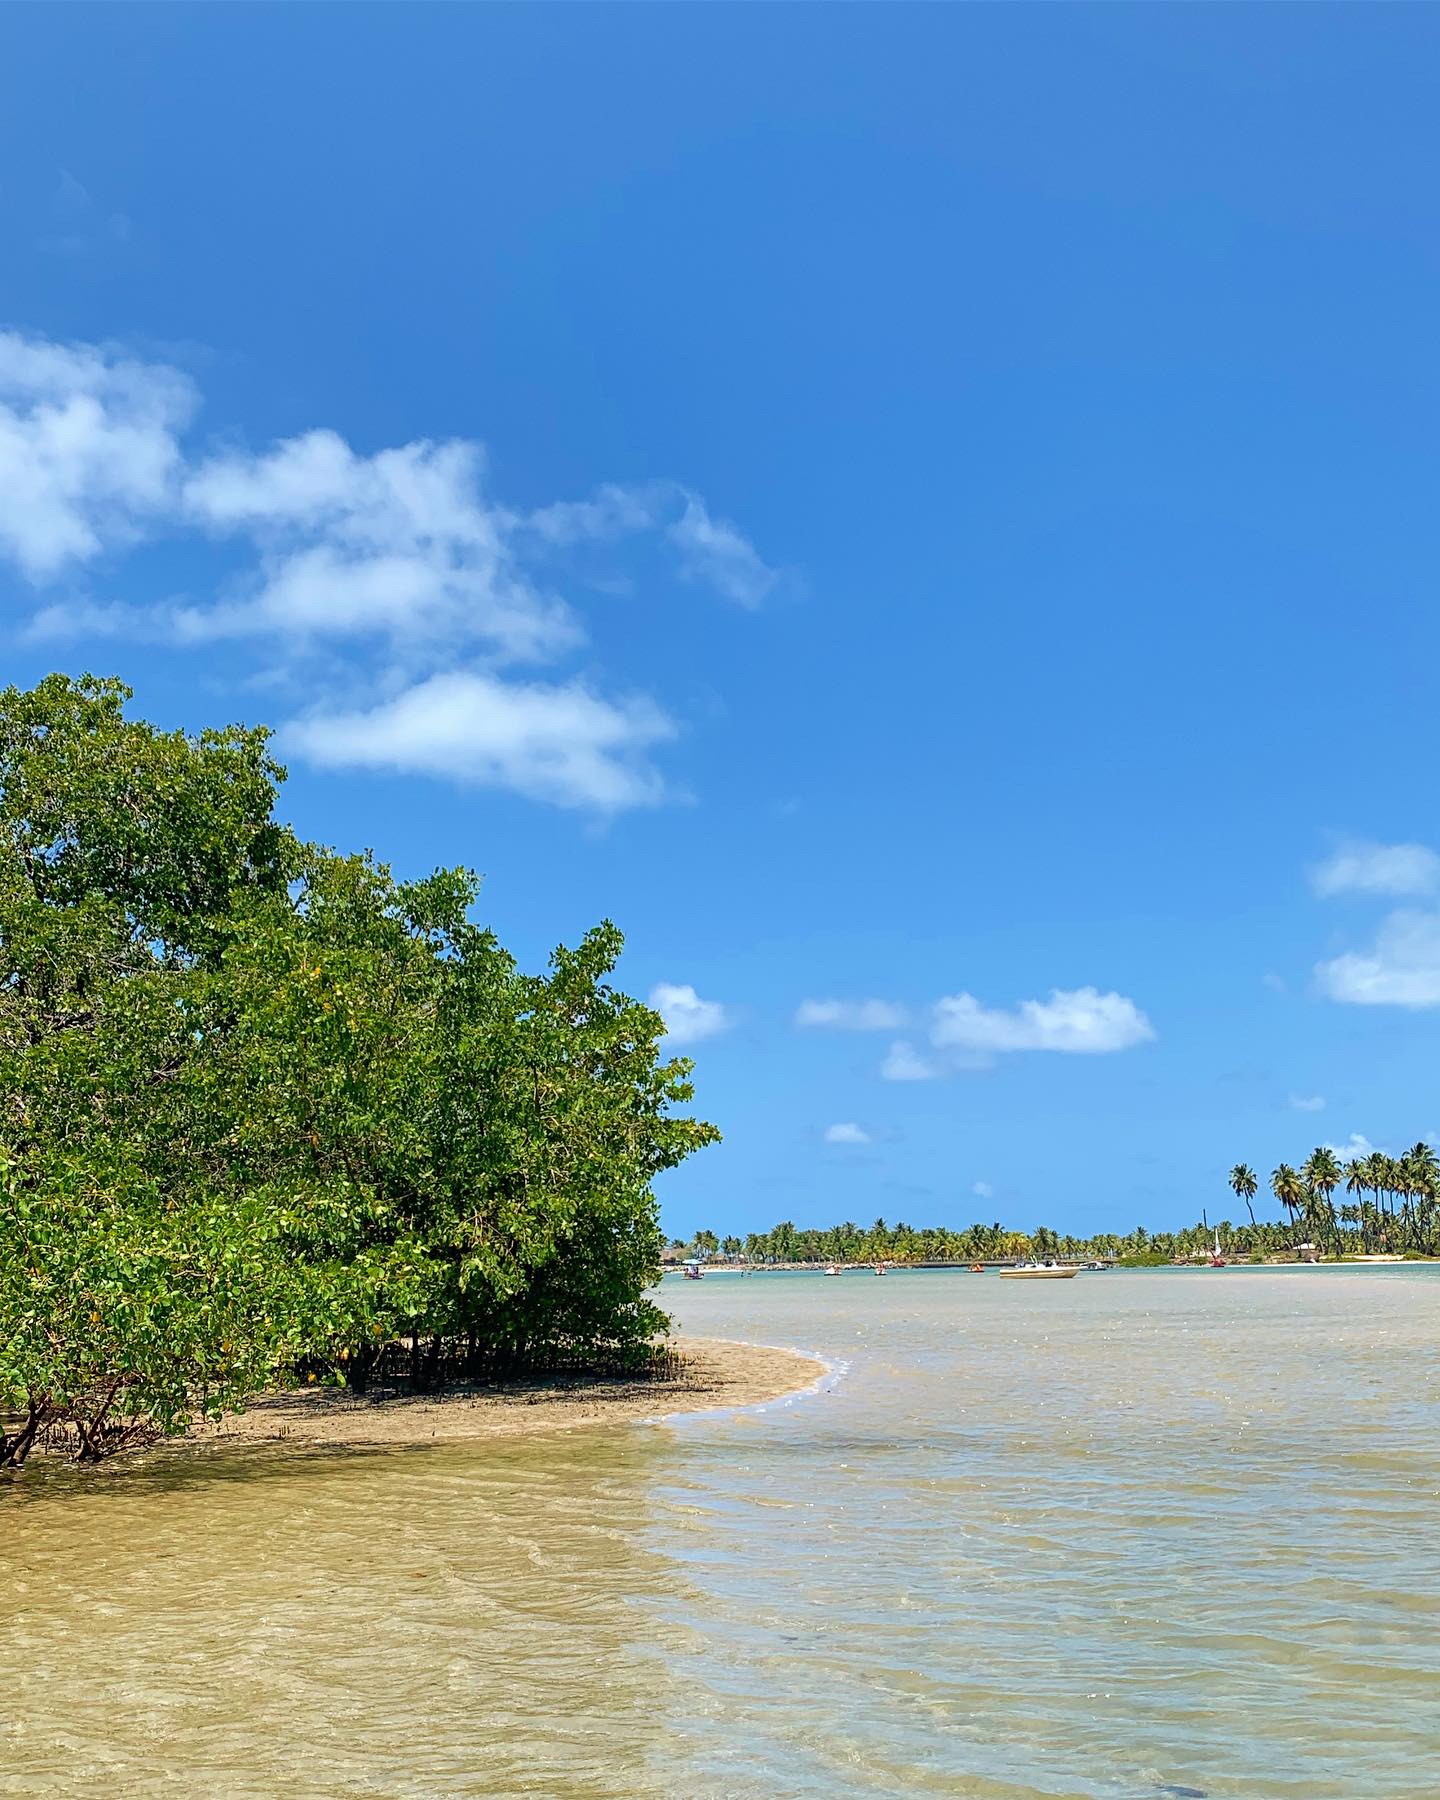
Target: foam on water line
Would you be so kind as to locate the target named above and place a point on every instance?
(833, 1371)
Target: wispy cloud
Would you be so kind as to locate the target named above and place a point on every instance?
(1401, 968)
(982, 1190)
(419, 587)
(851, 1015)
(1308, 1103)
(716, 552)
(688, 1018)
(847, 1133)
(1360, 866)
(903, 1062)
(78, 223)
(612, 512)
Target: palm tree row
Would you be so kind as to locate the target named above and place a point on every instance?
(1398, 1215)
(1394, 1207)
(901, 1243)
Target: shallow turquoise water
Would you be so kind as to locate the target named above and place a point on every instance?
(1117, 1537)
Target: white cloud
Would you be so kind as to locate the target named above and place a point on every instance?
(982, 1190)
(1081, 1021)
(1401, 969)
(1276, 983)
(405, 540)
(687, 1017)
(1308, 1103)
(401, 545)
(851, 1015)
(969, 1035)
(904, 1063)
(1358, 1146)
(342, 554)
(89, 450)
(1362, 867)
(561, 744)
(847, 1133)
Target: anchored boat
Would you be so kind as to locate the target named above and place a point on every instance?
(1040, 1272)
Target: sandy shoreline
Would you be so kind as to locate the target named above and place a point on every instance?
(716, 1375)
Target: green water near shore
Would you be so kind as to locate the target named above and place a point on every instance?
(1104, 1538)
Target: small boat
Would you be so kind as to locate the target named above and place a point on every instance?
(1217, 1261)
(1040, 1272)
(880, 1269)
(977, 1268)
(832, 1268)
(693, 1271)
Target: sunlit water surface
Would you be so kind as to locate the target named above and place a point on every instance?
(1130, 1535)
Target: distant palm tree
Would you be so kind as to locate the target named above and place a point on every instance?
(1357, 1179)
(1289, 1190)
(1322, 1176)
(1426, 1166)
(1045, 1241)
(1391, 1181)
(1242, 1179)
(1375, 1180)
(1408, 1179)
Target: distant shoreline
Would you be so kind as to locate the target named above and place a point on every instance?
(1118, 1267)
(717, 1375)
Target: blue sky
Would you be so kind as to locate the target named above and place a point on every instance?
(924, 515)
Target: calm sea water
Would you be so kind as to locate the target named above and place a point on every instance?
(1126, 1536)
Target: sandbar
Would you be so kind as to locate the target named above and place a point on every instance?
(714, 1375)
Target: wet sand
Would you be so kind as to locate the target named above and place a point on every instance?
(715, 1374)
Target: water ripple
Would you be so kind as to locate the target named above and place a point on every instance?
(1153, 1536)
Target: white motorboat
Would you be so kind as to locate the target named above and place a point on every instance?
(1040, 1272)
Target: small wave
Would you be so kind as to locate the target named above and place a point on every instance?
(833, 1371)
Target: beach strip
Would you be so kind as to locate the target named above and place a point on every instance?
(714, 1375)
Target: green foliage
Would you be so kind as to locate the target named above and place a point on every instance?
(267, 1107)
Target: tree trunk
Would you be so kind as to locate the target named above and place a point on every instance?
(16, 1447)
(92, 1436)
